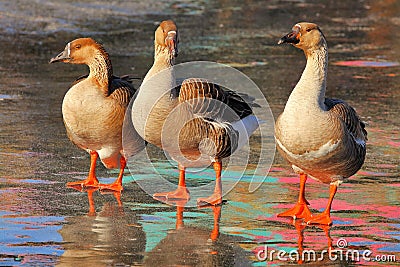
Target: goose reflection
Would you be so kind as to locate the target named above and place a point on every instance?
(308, 254)
(196, 246)
(105, 238)
(313, 254)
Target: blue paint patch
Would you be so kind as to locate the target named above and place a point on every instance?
(30, 235)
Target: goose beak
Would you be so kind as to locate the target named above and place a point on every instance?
(62, 57)
(172, 42)
(292, 37)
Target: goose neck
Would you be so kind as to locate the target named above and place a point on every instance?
(310, 90)
(101, 69)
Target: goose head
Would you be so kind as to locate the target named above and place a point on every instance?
(80, 51)
(306, 36)
(166, 36)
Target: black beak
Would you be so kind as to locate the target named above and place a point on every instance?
(62, 57)
(290, 38)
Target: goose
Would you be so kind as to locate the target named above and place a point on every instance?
(93, 110)
(322, 138)
(202, 139)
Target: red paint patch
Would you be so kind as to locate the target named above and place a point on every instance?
(365, 63)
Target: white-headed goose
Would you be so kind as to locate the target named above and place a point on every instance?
(202, 139)
(94, 108)
(320, 137)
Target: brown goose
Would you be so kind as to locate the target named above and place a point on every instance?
(181, 119)
(94, 108)
(320, 137)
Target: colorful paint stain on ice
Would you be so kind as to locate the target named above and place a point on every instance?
(5, 97)
(367, 63)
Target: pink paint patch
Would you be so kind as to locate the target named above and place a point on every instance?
(295, 180)
(288, 180)
(365, 63)
(386, 166)
(261, 239)
(384, 211)
(395, 144)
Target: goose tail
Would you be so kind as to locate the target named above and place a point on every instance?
(245, 127)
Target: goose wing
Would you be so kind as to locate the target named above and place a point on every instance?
(121, 89)
(353, 123)
(211, 101)
(218, 114)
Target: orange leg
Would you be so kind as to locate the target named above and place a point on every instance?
(325, 217)
(179, 217)
(117, 196)
(327, 229)
(91, 181)
(217, 217)
(181, 193)
(300, 242)
(300, 210)
(216, 197)
(116, 186)
(92, 209)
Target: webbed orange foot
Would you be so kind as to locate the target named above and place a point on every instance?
(181, 193)
(114, 187)
(299, 211)
(88, 183)
(324, 219)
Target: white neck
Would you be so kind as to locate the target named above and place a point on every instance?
(310, 90)
(154, 96)
(162, 61)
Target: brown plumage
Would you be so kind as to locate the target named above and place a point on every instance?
(202, 90)
(94, 108)
(197, 122)
(320, 137)
(211, 106)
